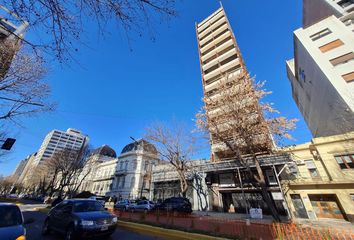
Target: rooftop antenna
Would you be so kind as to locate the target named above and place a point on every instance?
(221, 4)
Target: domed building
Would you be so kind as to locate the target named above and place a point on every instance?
(99, 170)
(133, 172)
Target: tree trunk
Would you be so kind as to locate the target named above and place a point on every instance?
(261, 181)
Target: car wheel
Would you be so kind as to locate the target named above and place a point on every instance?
(46, 228)
(70, 233)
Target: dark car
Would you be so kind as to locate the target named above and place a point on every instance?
(80, 218)
(175, 204)
(11, 222)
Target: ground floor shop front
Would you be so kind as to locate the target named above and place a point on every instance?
(321, 201)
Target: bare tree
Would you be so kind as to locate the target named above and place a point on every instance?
(63, 22)
(242, 126)
(60, 173)
(175, 145)
(23, 90)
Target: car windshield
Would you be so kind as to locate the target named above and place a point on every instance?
(10, 216)
(88, 206)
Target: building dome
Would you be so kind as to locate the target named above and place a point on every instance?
(105, 150)
(140, 145)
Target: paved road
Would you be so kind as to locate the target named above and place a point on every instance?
(34, 229)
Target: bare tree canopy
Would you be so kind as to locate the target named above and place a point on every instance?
(23, 90)
(240, 125)
(63, 22)
(236, 117)
(175, 145)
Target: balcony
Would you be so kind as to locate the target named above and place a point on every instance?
(204, 36)
(223, 69)
(206, 23)
(211, 36)
(212, 85)
(221, 58)
(217, 39)
(218, 49)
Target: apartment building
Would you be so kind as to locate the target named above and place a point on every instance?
(322, 71)
(12, 27)
(221, 62)
(323, 185)
(57, 140)
(20, 168)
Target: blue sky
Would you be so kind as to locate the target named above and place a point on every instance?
(119, 88)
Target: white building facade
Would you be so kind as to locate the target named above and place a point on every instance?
(322, 72)
(133, 172)
(127, 176)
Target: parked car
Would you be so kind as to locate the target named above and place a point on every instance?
(143, 205)
(11, 222)
(175, 204)
(80, 218)
(123, 205)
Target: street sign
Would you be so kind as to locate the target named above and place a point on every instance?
(7, 145)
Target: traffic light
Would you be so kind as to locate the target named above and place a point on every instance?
(7, 145)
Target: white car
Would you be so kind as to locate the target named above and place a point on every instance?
(143, 205)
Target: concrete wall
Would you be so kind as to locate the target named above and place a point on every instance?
(324, 98)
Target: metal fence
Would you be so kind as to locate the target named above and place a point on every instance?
(236, 229)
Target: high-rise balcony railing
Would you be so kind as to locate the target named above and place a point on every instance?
(219, 36)
(223, 69)
(203, 25)
(221, 58)
(218, 49)
(211, 29)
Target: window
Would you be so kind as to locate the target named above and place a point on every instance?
(312, 169)
(123, 182)
(349, 77)
(271, 177)
(329, 46)
(352, 196)
(132, 183)
(320, 34)
(345, 161)
(342, 59)
(126, 165)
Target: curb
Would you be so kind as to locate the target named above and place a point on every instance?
(164, 232)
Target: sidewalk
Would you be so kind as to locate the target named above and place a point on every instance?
(267, 219)
(326, 224)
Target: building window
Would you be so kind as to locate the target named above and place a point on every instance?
(345, 161)
(349, 77)
(342, 59)
(126, 165)
(332, 45)
(352, 196)
(320, 34)
(271, 177)
(123, 182)
(312, 169)
(132, 183)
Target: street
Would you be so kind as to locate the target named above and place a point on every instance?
(34, 228)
